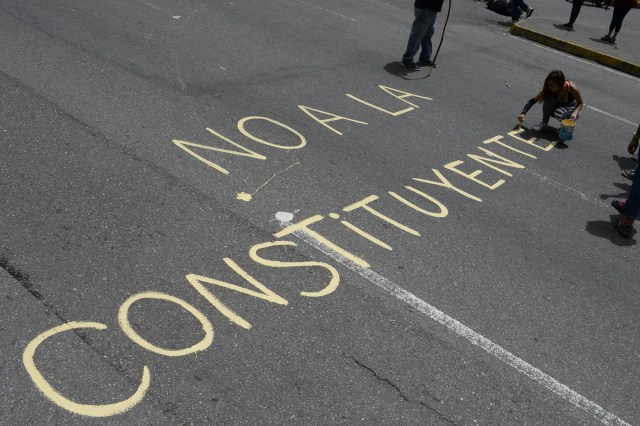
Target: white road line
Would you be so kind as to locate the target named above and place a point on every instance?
(608, 114)
(621, 74)
(460, 329)
(153, 6)
(328, 11)
(566, 188)
(336, 13)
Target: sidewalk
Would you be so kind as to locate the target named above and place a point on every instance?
(545, 27)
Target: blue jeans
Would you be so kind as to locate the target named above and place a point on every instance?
(421, 32)
(516, 5)
(632, 206)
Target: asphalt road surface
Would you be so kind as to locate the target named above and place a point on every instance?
(246, 212)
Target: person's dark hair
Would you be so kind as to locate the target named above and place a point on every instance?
(557, 77)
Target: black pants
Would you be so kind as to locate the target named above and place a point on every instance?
(575, 10)
(618, 16)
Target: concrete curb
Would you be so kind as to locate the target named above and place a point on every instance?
(574, 49)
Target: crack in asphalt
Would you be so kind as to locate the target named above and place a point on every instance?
(399, 391)
(24, 281)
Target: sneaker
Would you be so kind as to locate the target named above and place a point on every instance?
(629, 174)
(538, 127)
(624, 227)
(426, 63)
(568, 25)
(606, 38)
(619, 205)
(514, 21)
(529, 12)
(612, 40)
(411, 65)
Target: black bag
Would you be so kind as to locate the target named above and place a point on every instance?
(503, 7)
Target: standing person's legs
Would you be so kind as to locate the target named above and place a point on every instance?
(630, 208)
(575, 10)
(516, 6)
(614, 19)
(607, 37)
(515, 9)
(619, 13)
(418, 31)
(616, 23)
(427, 49)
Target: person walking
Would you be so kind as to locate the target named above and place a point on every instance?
(620, 10)
(561, 98)
(575, 10)
(629, 208)
(425, 12)
(516, 6)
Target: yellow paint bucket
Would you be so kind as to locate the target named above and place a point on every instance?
(566, 129)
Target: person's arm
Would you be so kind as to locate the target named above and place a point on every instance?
(578, 97)
(633, 145)
(531, 102)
